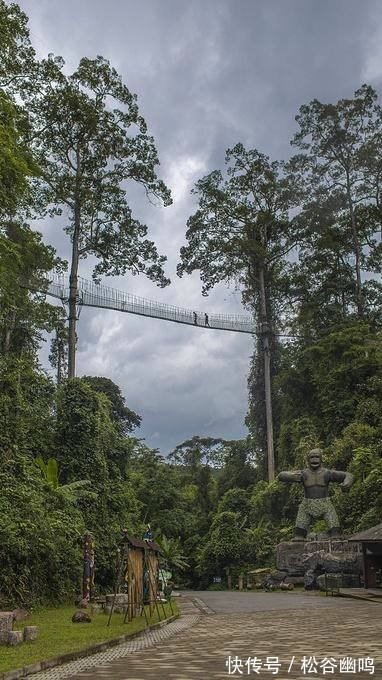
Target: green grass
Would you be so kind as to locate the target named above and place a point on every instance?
(58, 635)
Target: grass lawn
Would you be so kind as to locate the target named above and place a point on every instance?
(58, 635)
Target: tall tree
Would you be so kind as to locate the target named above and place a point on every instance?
(241, 232)
(124, 418)
(88, 150)
(17, 56)
(24, 263)
(58, 356)
(340, 166)
(199, 450)
(16, 161)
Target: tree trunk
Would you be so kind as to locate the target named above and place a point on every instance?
(9, 328)
(357, 249)
(73, 279)
(73, 295)
(59, 355)
(265, 332)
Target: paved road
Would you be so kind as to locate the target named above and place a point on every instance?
(229, 602)
(287, 626)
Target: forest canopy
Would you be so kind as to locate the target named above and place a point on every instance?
(300, 238)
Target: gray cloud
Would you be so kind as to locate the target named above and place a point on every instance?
(207, 75)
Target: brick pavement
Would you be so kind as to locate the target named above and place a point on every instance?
(351, 629)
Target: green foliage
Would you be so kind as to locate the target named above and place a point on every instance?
(235, 500)
(72, 491)
(40, 536)
(67, 460)
(16, 53)
(227, 544)
(16, 160)
(193, 452)
(241, 223)
(239, 469)
(94, 141)
(339, 169)
(158, 489)
(26, 408)
(171, 553)
(24, 263)
(125, 419)
(58, 356)
(84, 133)
(329, 379)
(83, 431)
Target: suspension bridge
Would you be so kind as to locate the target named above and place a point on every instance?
(91, 294)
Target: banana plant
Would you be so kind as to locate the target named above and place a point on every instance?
(71, 492)
(171, 553)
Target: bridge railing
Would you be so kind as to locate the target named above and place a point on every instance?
(92, 294)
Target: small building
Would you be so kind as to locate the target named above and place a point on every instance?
(371, 541)
(142, 564)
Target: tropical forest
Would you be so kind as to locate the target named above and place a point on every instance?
(299, 238)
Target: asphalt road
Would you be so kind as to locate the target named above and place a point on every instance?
(225, 602)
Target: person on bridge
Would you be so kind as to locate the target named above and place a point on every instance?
(206, 320)
(195, 318)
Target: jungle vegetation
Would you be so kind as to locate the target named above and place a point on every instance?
(302, 241)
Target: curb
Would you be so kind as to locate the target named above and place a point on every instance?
(200, 605)
(376, 600)
(39, 666)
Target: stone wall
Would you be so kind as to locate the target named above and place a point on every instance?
(293, 556)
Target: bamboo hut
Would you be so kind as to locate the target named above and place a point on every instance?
(142, 563)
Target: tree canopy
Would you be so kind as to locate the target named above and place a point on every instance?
(301, 240)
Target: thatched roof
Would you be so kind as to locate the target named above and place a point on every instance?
(143, 545)
(369, 536)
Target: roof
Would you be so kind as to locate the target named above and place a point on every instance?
(369, 536)
(138, 543)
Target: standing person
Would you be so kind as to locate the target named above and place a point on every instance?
(206, 320)
(195, 318)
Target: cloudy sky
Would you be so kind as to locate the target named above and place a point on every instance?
(208, 74)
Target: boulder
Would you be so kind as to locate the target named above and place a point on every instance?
(333, 581)
(120, 600)
(294, 580)
(310, 581)
(321, 582)
(30, 633)
(6, 623)
(321, 561)
(274, 578)
(81, 603)
(14, 637)
(291, 555)
(20, 614)
(95, 609)
(81, 617)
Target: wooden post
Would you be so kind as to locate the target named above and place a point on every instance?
(88, 573)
